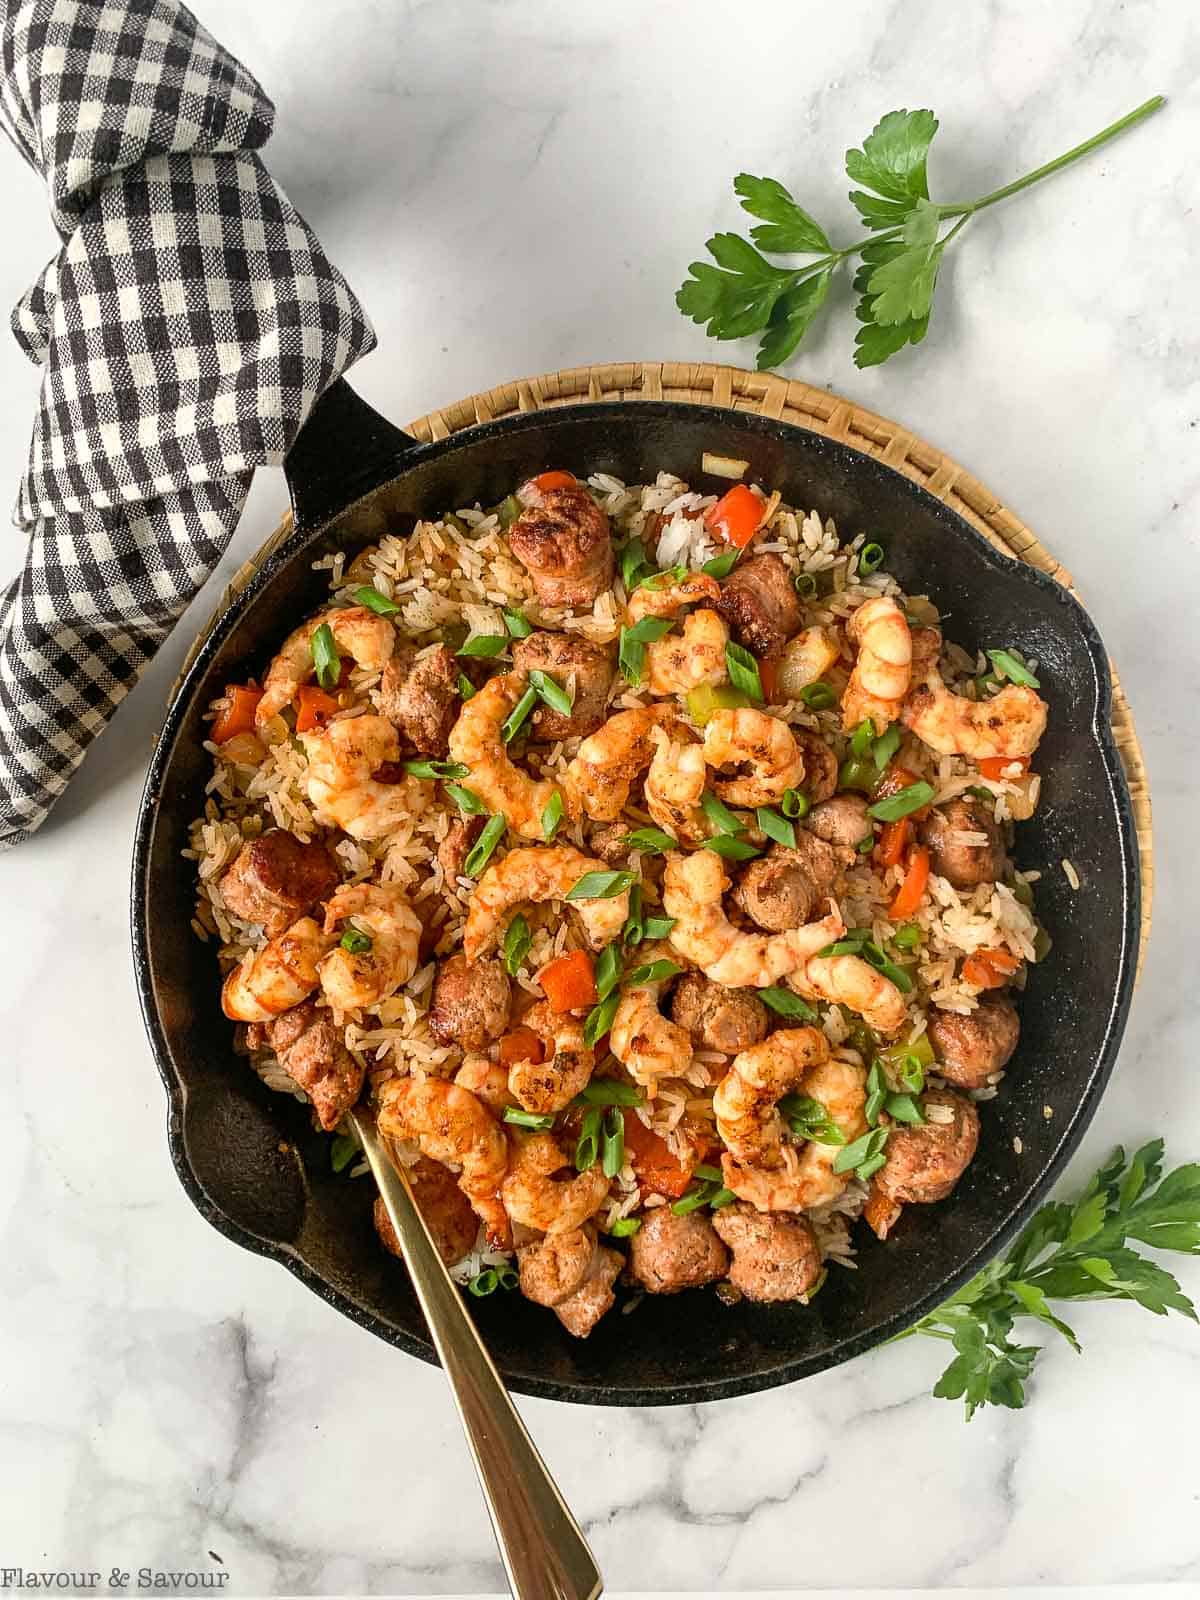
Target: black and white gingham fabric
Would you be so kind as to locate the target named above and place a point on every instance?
(184, 331)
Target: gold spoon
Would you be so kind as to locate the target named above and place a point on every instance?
(545, 1555)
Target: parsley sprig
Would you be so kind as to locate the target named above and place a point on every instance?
(900, 257)
(1069, 1252)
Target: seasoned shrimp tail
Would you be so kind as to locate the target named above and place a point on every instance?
(852, 982)
(452, 1126)
(272, 980)
(647, 1044)
(543, 1190)
(1010, 724)
(674, 787)
(764, 750)
(672, 598)
(551, 1085)
(529, 875)
(353, 979)
(342, 783)
(600, 777)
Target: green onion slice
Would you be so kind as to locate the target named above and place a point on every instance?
(651, 841)
(795, 804)
(905, 1108)
(600, 886)
(631, 652)
(634, 563)
(326, 661)
(743, 671)
(805, 585)
(608, 971)
(911, 1074)
(663, 579)
(659, 927)
(587, 1150)
(907, 937)
(508, 1279)
(552, 816)
(870, 558)
(368, 595)
(818, 696)
(609, 1092)
(733, 849)
(723, 1197)
(484, 1282)
(436, 769)
(517, 623)
(485, 644)
(529, 1119)
(877, 1093)
(480, 852)
(466, 688)
(634, 930)
(721, 566)
(776, 827)
(518, 715)
(517, 940)
(853, 1157)
(885, 747)
(342, 1151)
(613, 1151)
(862, 738)
(1007, 665)
(810, 1119)
(651, 972)
(508, 511)
(786, 1004)
(555, 696)
(600, 1019)
(693, 1200)
(356, 941)
(902, 804)
(722, 819)
(466, 799)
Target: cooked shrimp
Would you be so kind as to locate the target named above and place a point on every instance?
(353, 980)
(670, 600)
(340, 781)
(272, 980)
(534, 1196)
(453, 1127)
(674, 784)
(551, 1085)
(760, 743)
(529, 875)
(599, 779)
(758, 1167)
(851, 981)
(475, 741)
(1010, 724)
(692, 889)
(357, 632)
(680, 662)
(648, 1044)
(487, 1081)
(883, 670)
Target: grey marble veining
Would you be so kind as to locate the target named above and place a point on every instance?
(516, 186)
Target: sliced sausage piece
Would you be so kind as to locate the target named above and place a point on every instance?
(446, 1209)
(421, 698)
(563, 540)
(568, 660)
(313, 1052)
(971, 1048)
(276, 879)
(841, 821)
(470, 1003)
(454, 849)
(775, 1253)
(718, 1018)
(760, 605)
(961, 862)
(784, 888)
(820, 766)
(924, 1163)
(552, 1268)
(581, 1311)
(670, 1253)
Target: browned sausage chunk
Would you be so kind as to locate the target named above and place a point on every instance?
(670, 1253)
(842, 821)
(276, 880)
(446, 1209)
(965, 862)
(552, 1268)
(971, 1048)
(422, 698)
(311, 1050)
(454, 849)
(760, 605)
(609, 844)
(718, 1018)
(562, 538)
(470, 1002)
(924, 1163)
(784, 888)
(775, 1253)
(820, 766)
(568, 660)
(580, 1312)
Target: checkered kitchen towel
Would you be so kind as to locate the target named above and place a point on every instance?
(184, 331)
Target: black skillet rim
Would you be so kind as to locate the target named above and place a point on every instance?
(787, 1371)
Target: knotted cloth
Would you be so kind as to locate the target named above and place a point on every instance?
(184, 330)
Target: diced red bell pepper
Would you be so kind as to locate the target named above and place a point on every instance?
(238, 715)
(569, 982)
(736, 516)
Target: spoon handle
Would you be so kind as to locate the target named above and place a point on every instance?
(545, 1555)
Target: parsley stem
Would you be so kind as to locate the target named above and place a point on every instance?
(1128, 121)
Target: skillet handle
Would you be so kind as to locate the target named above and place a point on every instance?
(344, 450)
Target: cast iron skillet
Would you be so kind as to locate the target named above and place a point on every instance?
(249, 1160)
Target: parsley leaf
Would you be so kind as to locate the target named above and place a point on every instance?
(789, 228)
(791, 318)
(1077, 1251)
(892, 164)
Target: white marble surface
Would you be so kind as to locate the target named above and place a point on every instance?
(514, 187)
